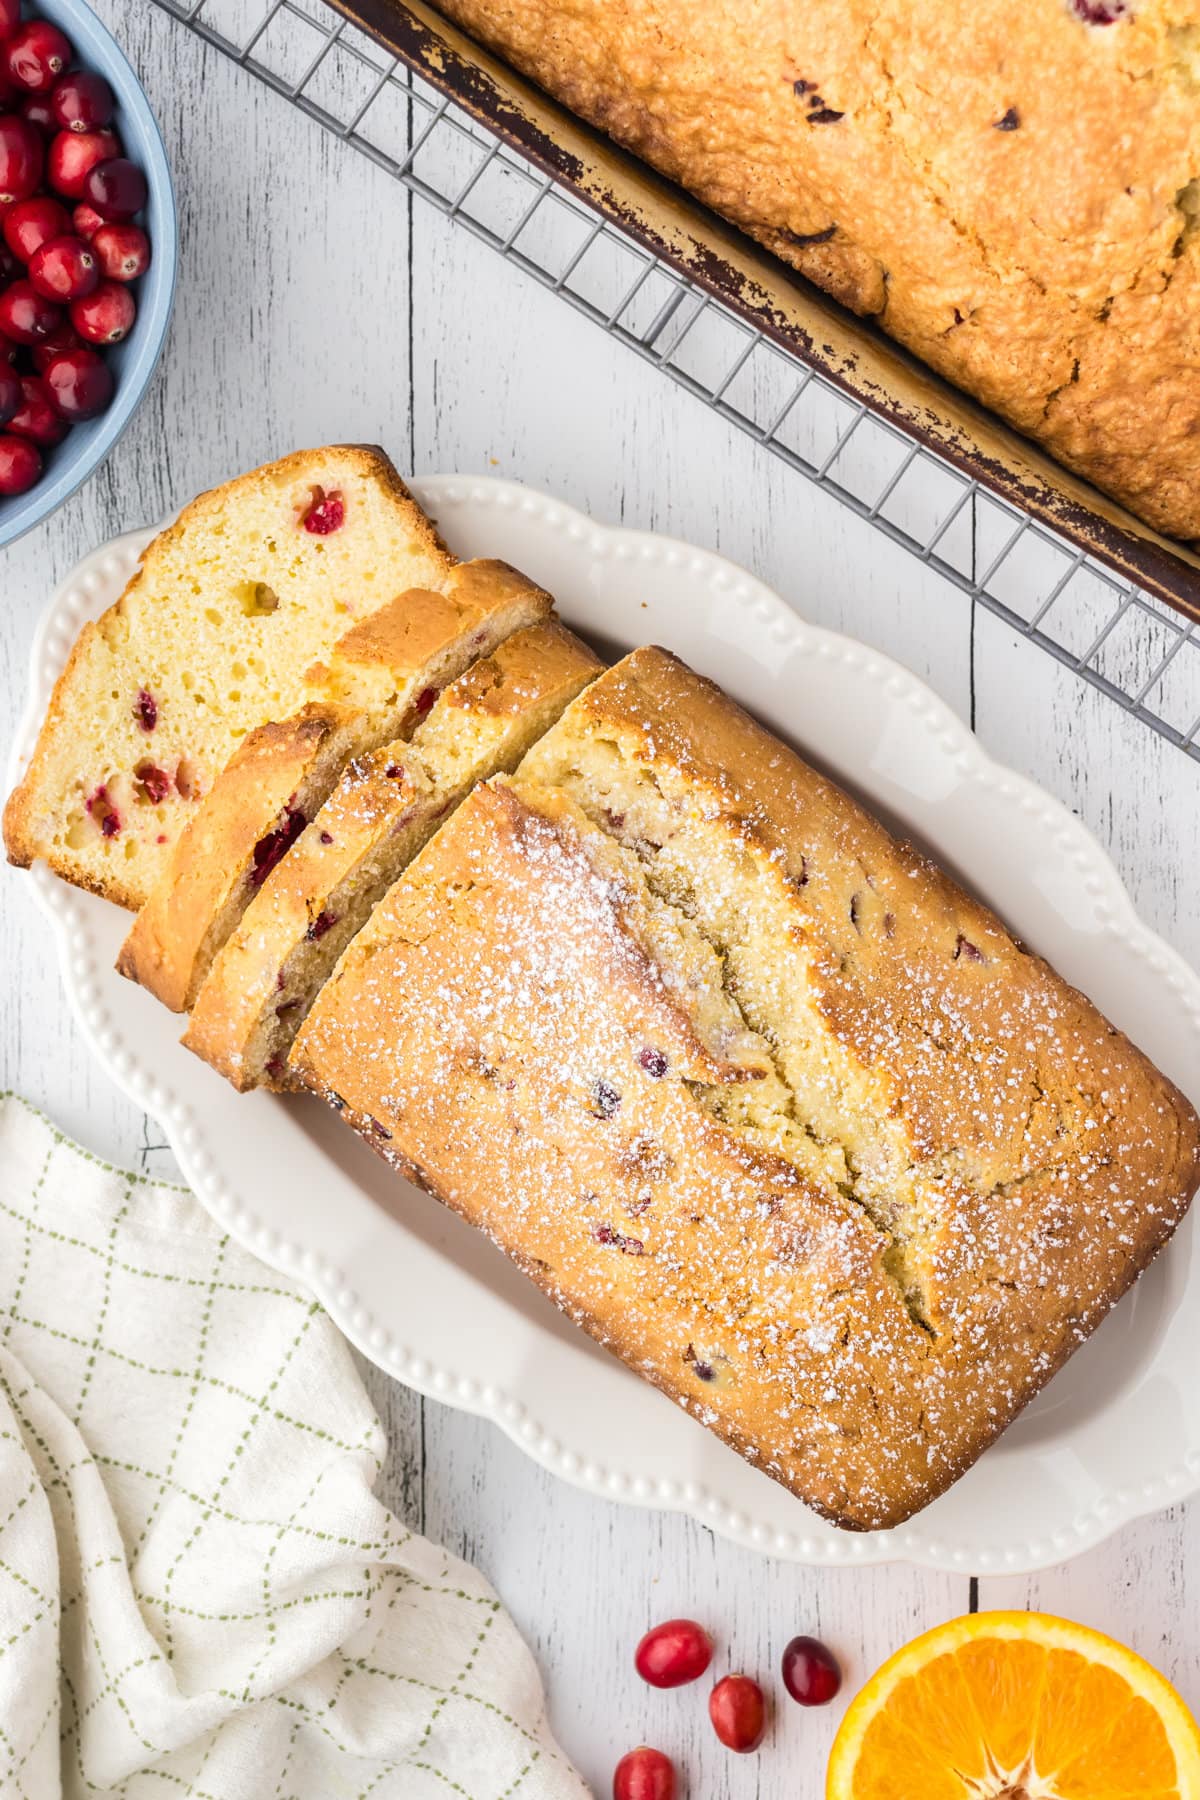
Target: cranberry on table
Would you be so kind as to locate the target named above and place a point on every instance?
(20, 464)
(31, 223)
(116, 188)
(22, 158)
(81, 383)
(36, 55)
(27, 316)
(738, 1712)
(65, 269)
(104, 316)
(123, 251)
(673, 1653)
(644, 1774)
(810, 1672)
(38, 418)
(81, 101)
(74, 154)
(10, 393)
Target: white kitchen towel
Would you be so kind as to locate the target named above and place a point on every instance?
(200, 1594)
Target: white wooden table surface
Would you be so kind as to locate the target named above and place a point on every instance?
(317, 302)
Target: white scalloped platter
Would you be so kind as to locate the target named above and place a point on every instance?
(1116, 1434)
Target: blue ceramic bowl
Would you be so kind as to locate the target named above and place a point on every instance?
(86, 446)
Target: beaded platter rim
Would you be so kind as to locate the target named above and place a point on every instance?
(94, 994)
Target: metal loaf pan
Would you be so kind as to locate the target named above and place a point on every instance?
(774, 300)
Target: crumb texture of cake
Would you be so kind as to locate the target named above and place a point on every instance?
(214, 635)
(756, 1093)
(383, 809)
(382, 677)
(1011, 192)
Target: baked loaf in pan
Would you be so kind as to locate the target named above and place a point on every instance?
(380, 679)
(384, 808)
(214, 635)
(757, 1094)
(1012, 192)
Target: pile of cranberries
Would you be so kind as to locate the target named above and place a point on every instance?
(69, 246)
(680, 1651)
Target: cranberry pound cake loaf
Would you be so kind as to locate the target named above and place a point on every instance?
(1012, 191)
(757, 1094)
(214, 635)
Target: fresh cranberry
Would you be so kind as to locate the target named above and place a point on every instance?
(116, 188)
(27, 316)
(36, 55)
(325, 512)
(87, 221)
(123, 251)
(31, 223)
(37, 111)
(21, 159)
(153, 784)
(38, 417)
(145, 709)
(72, 157)
(20, 464)
(738, 1712)
(644, 1774)
(10, 393)
(104, 316)
(810, 1672)
(10, 17)
(64, 269)
(81, 101)
(10, 265)
(81, 383)
(65, 338)
(674, 1653)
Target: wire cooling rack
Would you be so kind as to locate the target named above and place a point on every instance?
(1126, 642)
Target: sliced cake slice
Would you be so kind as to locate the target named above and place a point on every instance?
(384, 808)
(214, 634)
(383, 677)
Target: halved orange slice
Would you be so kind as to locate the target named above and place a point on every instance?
(1016, 1706)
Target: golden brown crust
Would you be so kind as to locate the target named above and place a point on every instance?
(1013, 195)
(508, 1026)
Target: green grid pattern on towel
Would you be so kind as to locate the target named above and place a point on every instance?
(187, 1526)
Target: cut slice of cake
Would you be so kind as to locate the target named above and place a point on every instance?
(384, 808)
(760, 1096)
(382, 678)
(231, 606)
